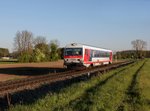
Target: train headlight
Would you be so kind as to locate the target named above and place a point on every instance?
(66, 60)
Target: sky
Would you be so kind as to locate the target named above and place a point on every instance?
(111, 24)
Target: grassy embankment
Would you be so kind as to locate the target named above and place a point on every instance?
(110, 92)
(138, 96)
(144, 87)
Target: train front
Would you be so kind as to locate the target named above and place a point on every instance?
(73, 55)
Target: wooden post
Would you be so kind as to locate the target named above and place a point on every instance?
(8, 96)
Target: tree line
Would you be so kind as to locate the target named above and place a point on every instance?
(139, 51)
(35, 49)
(4, 52)
(28, 48)
(131, 54)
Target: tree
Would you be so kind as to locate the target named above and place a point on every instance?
(4, 52)
(38, 56)
(25, 57)
(61, 52)
(40, 40)
(40, 45)
(139, 46)
(23, 42)
(54, 54)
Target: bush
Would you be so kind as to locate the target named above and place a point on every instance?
(54, 57)
(38, 56)
(25, 57)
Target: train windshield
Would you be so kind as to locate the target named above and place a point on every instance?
(73, 51)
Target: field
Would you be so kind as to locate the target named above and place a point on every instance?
(123, 89)
(9, 71)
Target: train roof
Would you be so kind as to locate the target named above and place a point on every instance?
(72, 45)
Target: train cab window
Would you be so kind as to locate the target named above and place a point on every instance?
(73, 51)
(78, 51)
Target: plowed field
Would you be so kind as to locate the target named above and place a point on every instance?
(23, 70)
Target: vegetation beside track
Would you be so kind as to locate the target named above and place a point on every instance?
(120, 89)
(144, 87)
(137, 96)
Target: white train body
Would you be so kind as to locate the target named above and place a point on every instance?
(83, 55)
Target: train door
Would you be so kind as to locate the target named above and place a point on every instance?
(87, 55)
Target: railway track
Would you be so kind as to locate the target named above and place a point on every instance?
(10, 87)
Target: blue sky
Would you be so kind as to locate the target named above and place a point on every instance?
(111, 24)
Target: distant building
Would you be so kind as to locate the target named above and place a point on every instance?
(5, 58)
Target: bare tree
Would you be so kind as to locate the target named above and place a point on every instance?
(23, 41)
(39, 40)
(139, 46)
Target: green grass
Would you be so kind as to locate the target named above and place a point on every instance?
(144, 86)
(105, 97)
(138, 95)
(123, 89)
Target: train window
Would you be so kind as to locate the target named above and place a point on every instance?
(68, 51)
(96, 53)
(101, 54)
(73, 51)
(108, 54)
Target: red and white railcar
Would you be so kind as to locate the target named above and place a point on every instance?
(84, 55)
